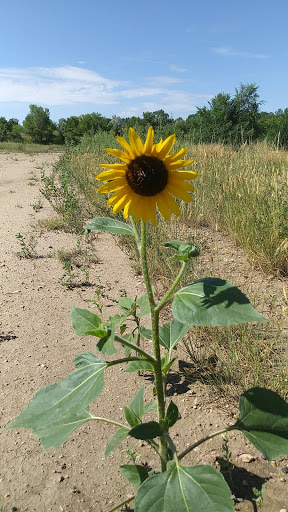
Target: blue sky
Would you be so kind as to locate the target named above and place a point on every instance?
(127, 57)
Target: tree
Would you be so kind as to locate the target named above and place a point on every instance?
(38, 125)
(4, 129)
(246, 113)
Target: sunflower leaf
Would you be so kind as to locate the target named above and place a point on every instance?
(184, 251)
(212, 301)
(110, 225)
(263, 420)
(185, 489)
(56, 410)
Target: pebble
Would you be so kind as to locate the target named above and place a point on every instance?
(246, 457)
(283, 510)
(284, 469)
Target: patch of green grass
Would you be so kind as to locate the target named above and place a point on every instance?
(51, 224)
(29, 148)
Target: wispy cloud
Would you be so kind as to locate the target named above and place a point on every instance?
(229, 52)
(56, 86)
(71, 85)
(178, 69)
(162, 81)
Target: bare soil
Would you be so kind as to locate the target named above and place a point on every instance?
(38, 345)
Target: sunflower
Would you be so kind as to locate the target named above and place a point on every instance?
(147, 177)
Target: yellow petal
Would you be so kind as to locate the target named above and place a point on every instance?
(126, 147)
(163, 206)
(149, 142)
(119, 154)
(185, 175)
(127, 210)
(110, 175)
(156, 148)
(179, 192)
(176, 156)
(173, 206)
(174, 181)
(120, 167)
(116, 196)
(112, 185)
(166, 146)
(145, 209)
(178, 164)
(135, 142)
(121, 203)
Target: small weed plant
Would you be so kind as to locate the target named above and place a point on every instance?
(27, 246)
(57, 410)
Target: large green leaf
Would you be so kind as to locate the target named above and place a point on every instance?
(110, 225)
(169, 333)
(184, 489)
(134, 473)
(212, 301)
(116, 439)
(58, 409)
(84, 323)
(263, 419)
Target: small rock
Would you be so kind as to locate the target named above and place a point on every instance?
(246, 457)
(284, 469)
(59, 479)
(283, 510)
(282, 479)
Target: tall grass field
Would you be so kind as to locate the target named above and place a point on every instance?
(243, 191)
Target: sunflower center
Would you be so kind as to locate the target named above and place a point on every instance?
(147, 175)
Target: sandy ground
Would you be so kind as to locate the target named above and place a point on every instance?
(37, 348)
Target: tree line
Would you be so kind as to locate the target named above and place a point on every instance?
(226, 119)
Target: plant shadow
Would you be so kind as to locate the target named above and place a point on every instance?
(7, 337)
(242, 482)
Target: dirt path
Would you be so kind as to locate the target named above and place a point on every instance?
(37, 347)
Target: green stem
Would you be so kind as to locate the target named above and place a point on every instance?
(122, 504)
(124, 360)
(99, 418)
(136, 233)
(203, 439)
(159, 384)
(168, 296)
(135, 347)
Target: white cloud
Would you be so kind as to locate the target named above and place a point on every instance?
(56, 86)
(226, 51)
(71, 85)
(162, 81)
(178, 69)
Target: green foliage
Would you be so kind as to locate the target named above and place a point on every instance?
(109, 225)
(263, 419)
(27, 246)
(38, 125)
(213, 301)
(60, 408)
(182, 489)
